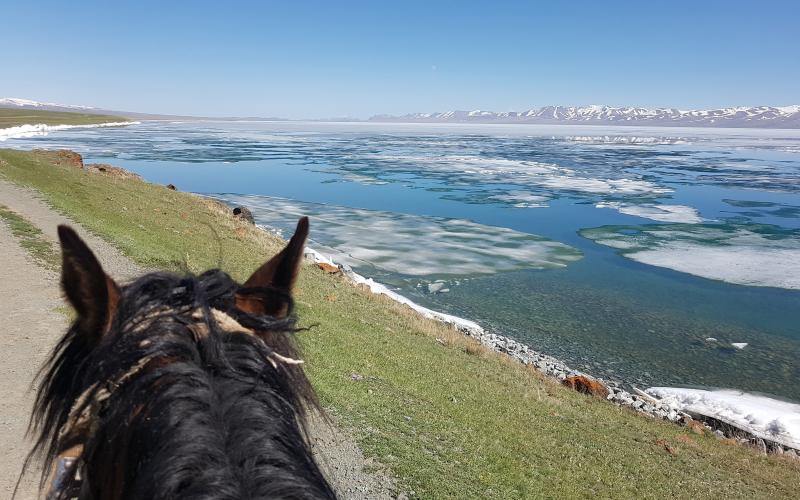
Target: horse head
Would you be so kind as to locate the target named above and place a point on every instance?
(178, 386)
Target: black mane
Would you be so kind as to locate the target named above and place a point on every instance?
(186, 415)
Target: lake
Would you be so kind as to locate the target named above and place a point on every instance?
(648, 256)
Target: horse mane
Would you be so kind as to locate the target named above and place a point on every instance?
(182, 406)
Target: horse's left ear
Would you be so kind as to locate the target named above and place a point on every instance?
(90, 291)
(278, 273)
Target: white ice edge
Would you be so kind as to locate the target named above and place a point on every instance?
(767, 418)
(28, 130)
(381, 289)
(764, 417)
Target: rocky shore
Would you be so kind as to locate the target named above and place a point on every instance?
(628, 397)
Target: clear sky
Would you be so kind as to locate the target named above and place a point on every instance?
(338, 58)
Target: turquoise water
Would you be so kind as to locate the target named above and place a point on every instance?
(619, 250)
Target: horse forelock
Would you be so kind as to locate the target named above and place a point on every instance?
(180, 371)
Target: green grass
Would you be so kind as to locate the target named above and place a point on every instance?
(31, 239)
(16, 117)
(450, 421)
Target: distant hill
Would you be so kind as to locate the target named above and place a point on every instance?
(15, 103)
(10, 117)
(756, 117)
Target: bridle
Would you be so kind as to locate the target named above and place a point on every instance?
(83, 416)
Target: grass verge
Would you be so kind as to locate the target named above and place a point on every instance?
(447, 417)
(16, 117)
(31, 239)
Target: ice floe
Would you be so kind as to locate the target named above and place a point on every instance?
(521, 199)
(662, 213)
(744, 254)
(380, 289)
(762, 416)
(478, 170)
(411, 245)
(625, 139)
(40, 129)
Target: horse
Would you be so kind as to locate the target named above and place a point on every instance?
(177, 387)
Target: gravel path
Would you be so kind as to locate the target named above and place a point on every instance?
(31, 326)
(29, 298)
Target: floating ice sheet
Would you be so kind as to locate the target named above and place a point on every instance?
(745, 254)
(408, 244)
(521, 199)
(625, 139)
(472, 170)
(381, 289)
(662, 213)
(764, 417)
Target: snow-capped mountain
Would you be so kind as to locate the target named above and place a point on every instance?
(758, 116)
(13, 102)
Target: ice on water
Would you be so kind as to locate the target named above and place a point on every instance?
(744, 254)
(408, 244)
(662, 213)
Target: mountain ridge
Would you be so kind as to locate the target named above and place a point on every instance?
(740, 116)
(733, 117)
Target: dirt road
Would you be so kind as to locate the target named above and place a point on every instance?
(29, 298)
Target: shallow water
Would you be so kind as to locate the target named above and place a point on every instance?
(620, 250)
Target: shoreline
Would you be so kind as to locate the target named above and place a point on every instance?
(438, 414)
(40, 129)
(674, 404)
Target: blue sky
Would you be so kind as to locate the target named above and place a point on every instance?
(342, 58)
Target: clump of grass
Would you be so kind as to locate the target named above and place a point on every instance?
(66, 311)
(31, 239)
(447, 422)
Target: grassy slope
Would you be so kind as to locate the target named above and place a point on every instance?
(450, 420)
(15, 117)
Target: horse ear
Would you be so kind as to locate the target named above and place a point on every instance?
(92, 293)
(279, 273)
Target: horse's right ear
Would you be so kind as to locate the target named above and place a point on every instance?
(279, 273)
(92, 293)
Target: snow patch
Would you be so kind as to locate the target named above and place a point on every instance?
(761, 416)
